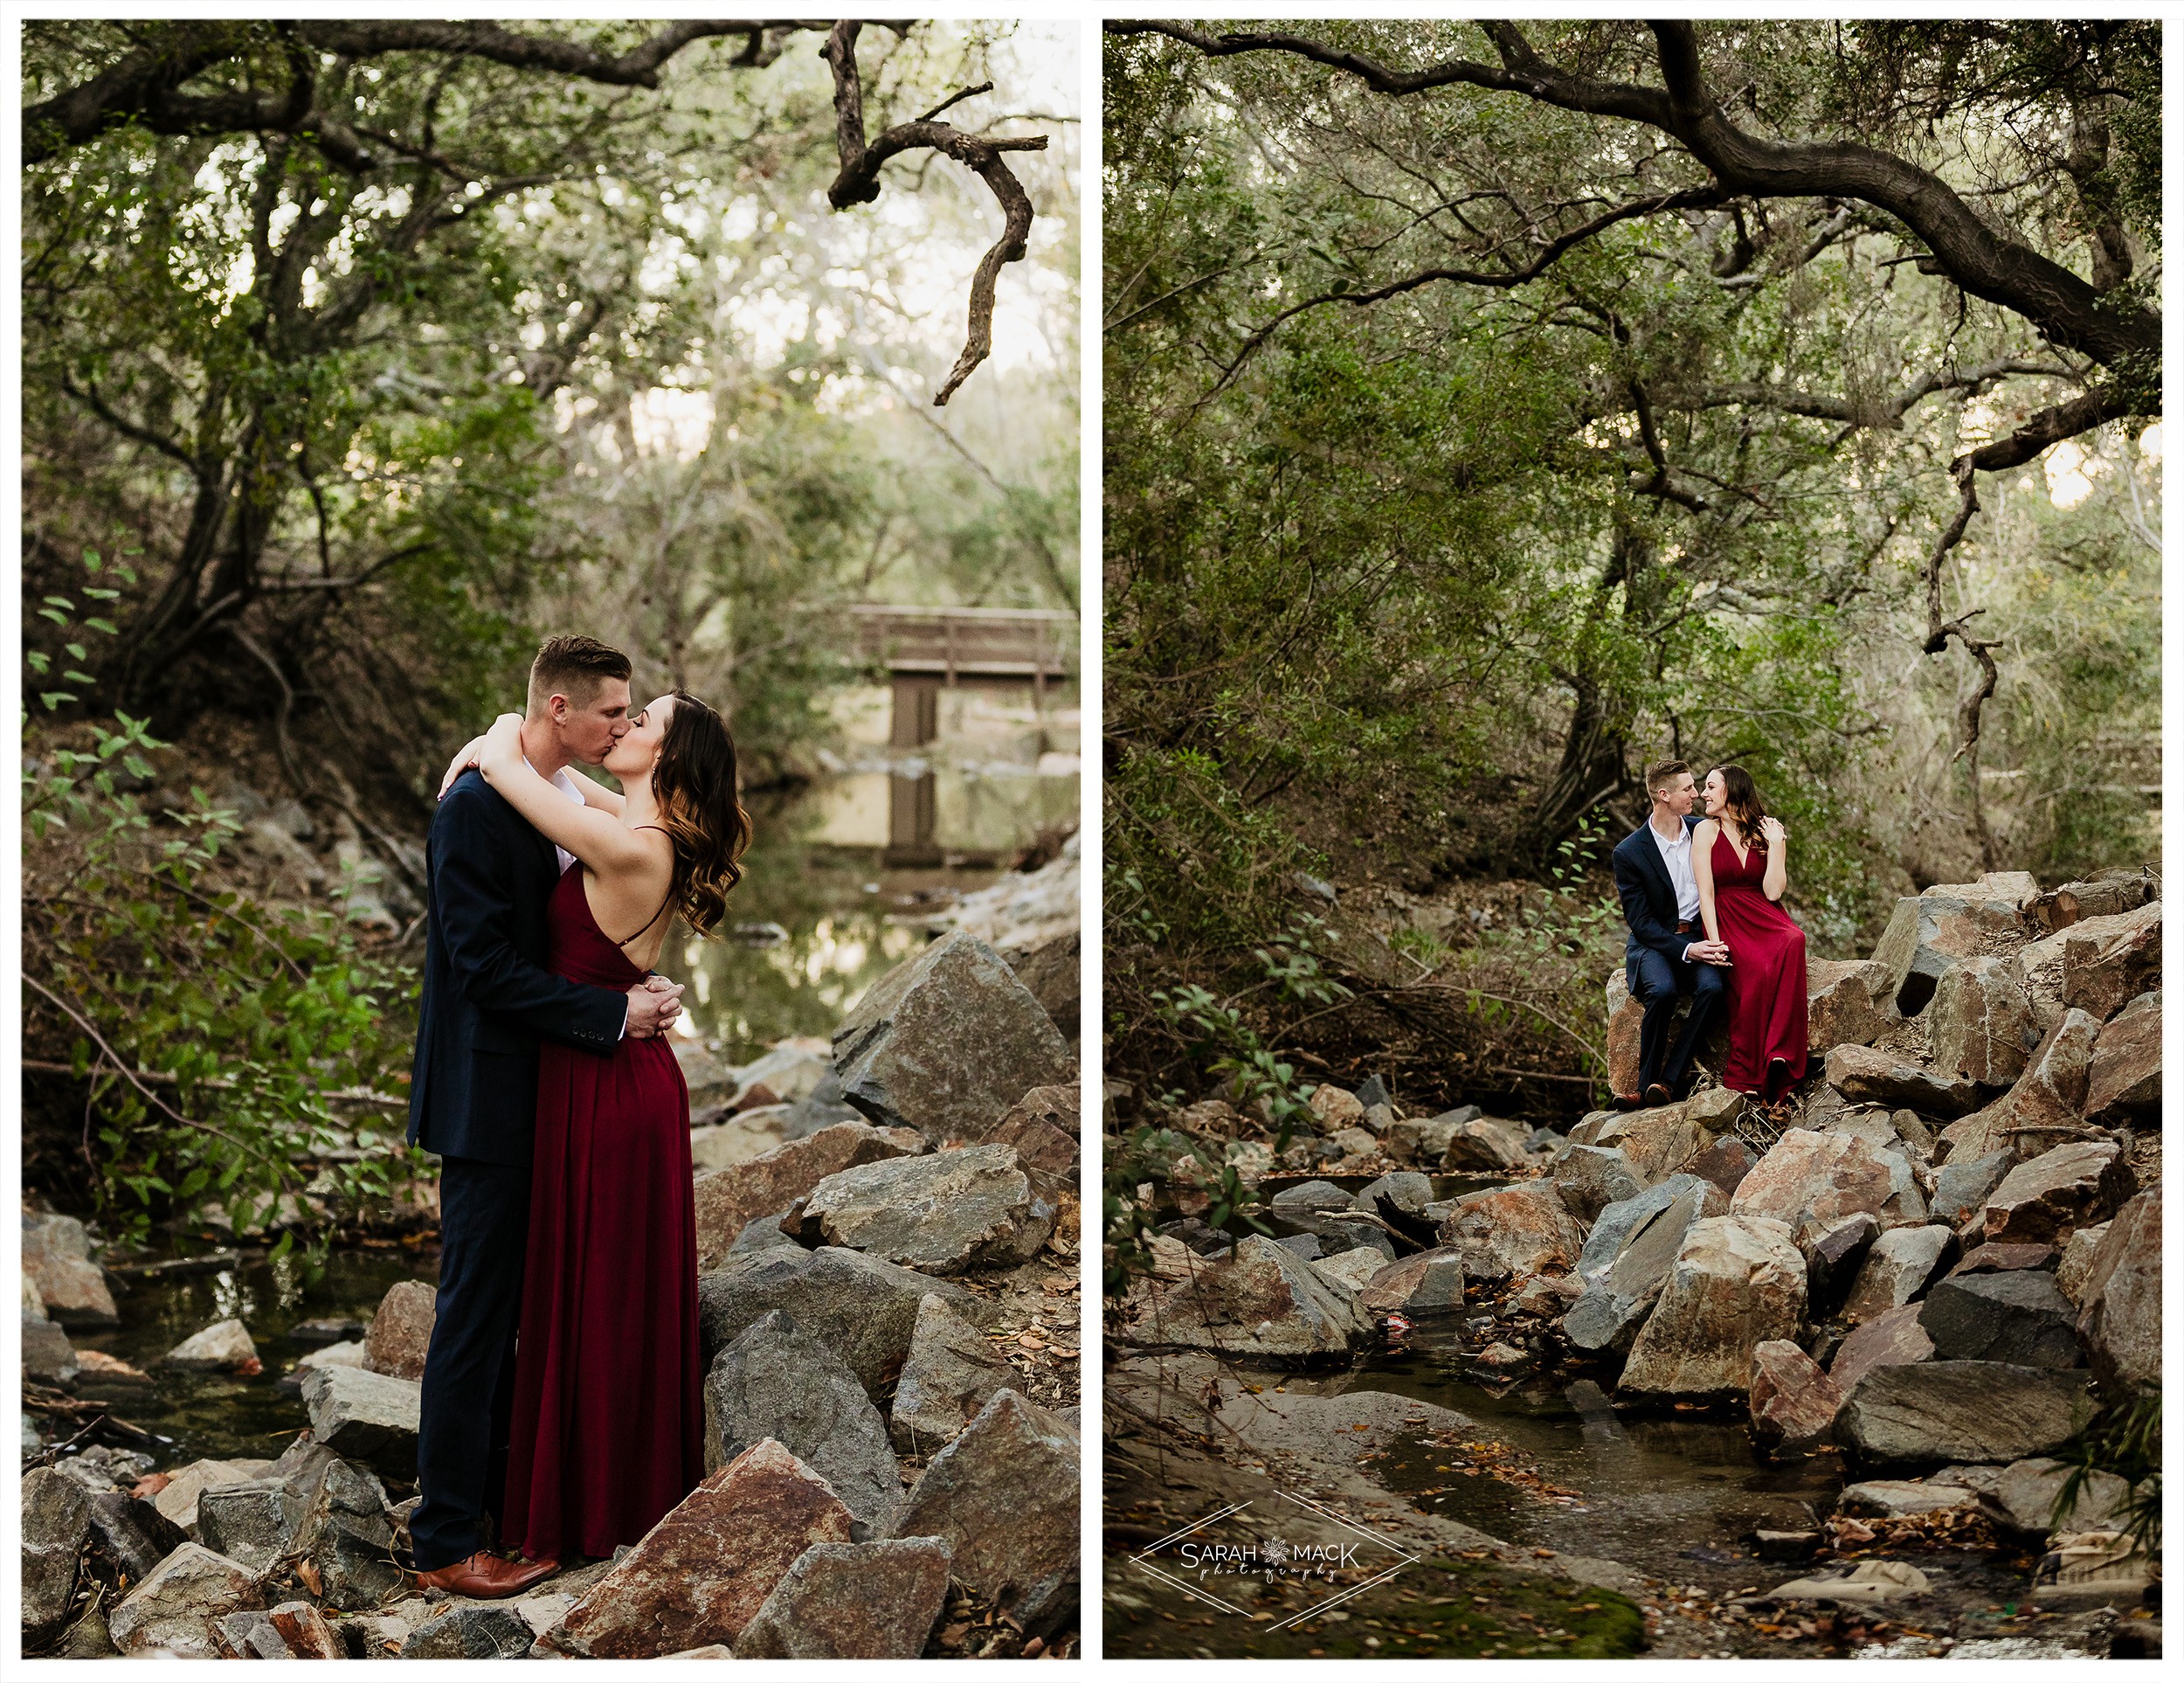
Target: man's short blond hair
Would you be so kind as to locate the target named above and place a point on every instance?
(1667, 771)
(576, 668)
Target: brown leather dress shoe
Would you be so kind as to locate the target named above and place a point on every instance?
(1658, 1094)
(486, 1576)
(1627, 1102)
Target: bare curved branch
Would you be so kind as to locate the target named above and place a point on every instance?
(857, 182)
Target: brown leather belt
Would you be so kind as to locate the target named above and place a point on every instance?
(1685, 926)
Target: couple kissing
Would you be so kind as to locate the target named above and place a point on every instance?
(1702, 895)
(561, 1391)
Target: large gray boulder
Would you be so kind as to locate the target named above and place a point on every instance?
(1865, 1074)
(48, 1358)
(471, 1630)
(2119, 1315)
(1657, 1143)
(2021, 1317)
(1948, 923)
(946, 1042)
(1980, 1412)
(1426, 1285)
(1980, 1021)
(56, 1527)
(1739, 1281)
(173, 1611)
(1961, 1187)
(1897, 1269)
(779, 1382)
(944, 1214)
(853, 1601)
(951, 1372)
(2075, 1185)
(1627, 1260)
(365, 1416)
(862, 1309)
(249, 1523)
(1261, 1303)
(2023, 1497)
(71, 1287)
(701, 1573)
(2125, 1080)
(1003, 1498)
(1589, 1178)
(342, 1526)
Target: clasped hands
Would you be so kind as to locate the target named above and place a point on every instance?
(1707, 952)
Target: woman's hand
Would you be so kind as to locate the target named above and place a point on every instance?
(1771, 828)
(465, 757)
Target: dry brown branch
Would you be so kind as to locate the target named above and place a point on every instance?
(859, 183)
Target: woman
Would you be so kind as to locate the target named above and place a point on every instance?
(1740, 860)
(607, 1433)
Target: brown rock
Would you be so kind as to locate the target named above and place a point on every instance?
(1865, 1076)
(2075, 1185)
(1738, 1283)
(730, 1198)
(1043, 1126)
(1980, 1022)
(1264, 1302)
(1512, 1232)
(2125, 1076)
(946, 1042)
(57, 1257)
(1054, 971)
(1624, 1018)
(2119, 1318)
(1004, 1496)
(1727, 1162)
(2075, 1271)
(700, 1575)
(172, 1612)
(1846, 1003)
(1656, 1143)
(1888, 1339)
(1793, 1403)
(2004, 1258)
(853, 1601)
(1897, 1269)
(1334, 1108)
(402, 1331)
(1813, 1181)
(1948, 923)
(1422, 1286)
(2104, 972)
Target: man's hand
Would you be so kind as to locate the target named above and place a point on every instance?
(1707, 953)
(654, 1005)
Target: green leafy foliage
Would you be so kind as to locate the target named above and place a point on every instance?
(211, 1036)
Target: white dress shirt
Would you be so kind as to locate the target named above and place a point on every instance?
(1676, 858)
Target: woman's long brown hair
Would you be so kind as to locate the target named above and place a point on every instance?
(1741, 796)
(694, 785)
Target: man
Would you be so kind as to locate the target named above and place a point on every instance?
(1668, 957)
(488, 1000)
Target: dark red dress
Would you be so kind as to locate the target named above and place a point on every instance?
(608, 1431)
(1766, 977)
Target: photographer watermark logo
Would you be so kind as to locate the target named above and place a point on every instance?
(1211, 1559)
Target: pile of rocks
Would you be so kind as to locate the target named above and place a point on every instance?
(1947, 1260)
(889, 1318)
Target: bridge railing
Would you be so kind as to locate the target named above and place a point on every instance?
(1037, 643)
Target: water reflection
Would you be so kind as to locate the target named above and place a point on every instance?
(839, 922)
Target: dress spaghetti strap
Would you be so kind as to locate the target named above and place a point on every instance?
(655, 918)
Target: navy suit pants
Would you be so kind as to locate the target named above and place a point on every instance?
(469, 1388)
(1661, 981)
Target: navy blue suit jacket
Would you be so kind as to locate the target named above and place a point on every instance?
(489, 996)
(1648, 897)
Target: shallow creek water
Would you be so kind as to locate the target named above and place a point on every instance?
(225, 1416)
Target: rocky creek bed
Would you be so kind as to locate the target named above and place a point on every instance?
(1690, 1380)
(220, 1458)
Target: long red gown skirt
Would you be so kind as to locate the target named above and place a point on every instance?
(608, 1431)
(1767, 978)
